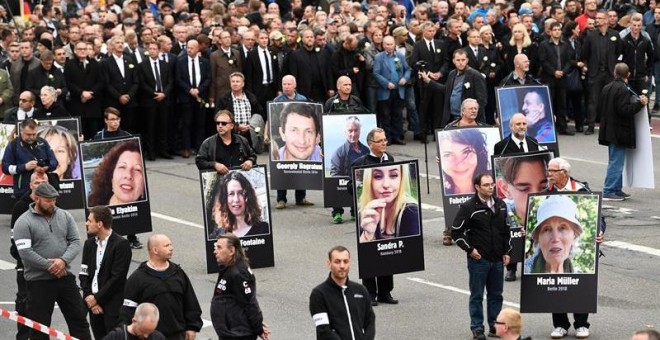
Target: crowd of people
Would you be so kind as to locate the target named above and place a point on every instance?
(170, 70)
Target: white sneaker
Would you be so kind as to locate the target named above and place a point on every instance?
(559, 333)
(582, 333)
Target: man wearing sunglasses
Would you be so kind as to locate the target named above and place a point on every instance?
(227, 149)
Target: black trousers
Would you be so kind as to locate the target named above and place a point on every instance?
(43, 294)
(561, 320)
(575, 99)
(390, 116)
(379, 286)
(90, 126)
(558, 97)
(431, 110)
(103, 323)
(192, 125)
(21, 305)
(596, 84)
(154, 127)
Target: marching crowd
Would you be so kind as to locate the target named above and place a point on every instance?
(170, 69)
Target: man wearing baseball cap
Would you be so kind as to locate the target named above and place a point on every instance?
(47, 240)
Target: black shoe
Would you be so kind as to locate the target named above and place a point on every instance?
(165, 155)
(656, 107)
(418, 137)
(374, 302)
(492, 334)
(579, 129)
(589, 131)
(388, 299)
(478, 335)
(566, 132)
(136, 244)
(398, 142)
(510, 275)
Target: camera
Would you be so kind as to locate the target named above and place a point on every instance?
(422, 66)
(42, 163)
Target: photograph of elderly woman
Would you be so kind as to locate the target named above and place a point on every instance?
(235, 203)
(561, 234)
(464, 153)
(388, 202)
(114, 172)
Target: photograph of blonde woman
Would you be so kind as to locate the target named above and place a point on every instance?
(64, 144)
(387, 206)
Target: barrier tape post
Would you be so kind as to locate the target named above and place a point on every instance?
(53, 333)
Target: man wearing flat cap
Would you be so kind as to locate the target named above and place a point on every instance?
(47, 240)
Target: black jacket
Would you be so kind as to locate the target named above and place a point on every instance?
(227, 103)
(20, 207)
(437, 61)
(476, 90)
(147, 82)
(40, 77)
(618, 108)
(171, 291)
(116, 85)
(590, 51)
(477, 227)
(638, 55)
(550, 63)
(79, 79)
(121, 333)
(235, 311)
(112, 274)
(327, 305)
(205, 159)
(507, 146)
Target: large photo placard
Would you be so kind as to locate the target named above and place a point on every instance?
(533, 102)
(561, 259)
(515, 177)
(389, 221)
(463, 153)
(296, 160)
(6, 180)
(344, 141)
(62, 135)
(114, 175)
(237, 203)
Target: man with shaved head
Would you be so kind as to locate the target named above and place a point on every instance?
(143, 325)
(166, 285)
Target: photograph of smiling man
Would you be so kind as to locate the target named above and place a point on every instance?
(294, 148)
(114, 175)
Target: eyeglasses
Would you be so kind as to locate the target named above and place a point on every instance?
(499, 323)
(113, 119)
(384, 140)
(552, 171)
(222, 123)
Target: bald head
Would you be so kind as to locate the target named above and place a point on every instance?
(521, 62)
(289, 85)
(518, 125)
(344, 85)
(160, 248)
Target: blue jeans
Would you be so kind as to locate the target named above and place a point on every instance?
(614, 175)
(300, 195)
(489, 275)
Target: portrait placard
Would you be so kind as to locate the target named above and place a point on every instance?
(340, 150)
(63, 135)
(237, 203)
(560, 272)
(295, 160)
(114, 174)
(6, 180)
(463, 153)
(516, 176)
(389, 220)
(534, 102)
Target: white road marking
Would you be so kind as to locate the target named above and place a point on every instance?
(432, 207)
(584, 160)
(633, 247)
(176, 220)
(421, 174)
(456, 290)
(4, 265)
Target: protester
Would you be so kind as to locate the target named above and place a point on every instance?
(166, 285)
(235, 311)
(105, 261)
(339, 307)
(618, 107)
(142, 326)
(47, 240)
(481, 230)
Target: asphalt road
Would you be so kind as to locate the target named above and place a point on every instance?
(433, 302)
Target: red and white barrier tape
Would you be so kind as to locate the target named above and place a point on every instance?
(53, 333)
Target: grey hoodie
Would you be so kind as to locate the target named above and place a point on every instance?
(38, 240)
